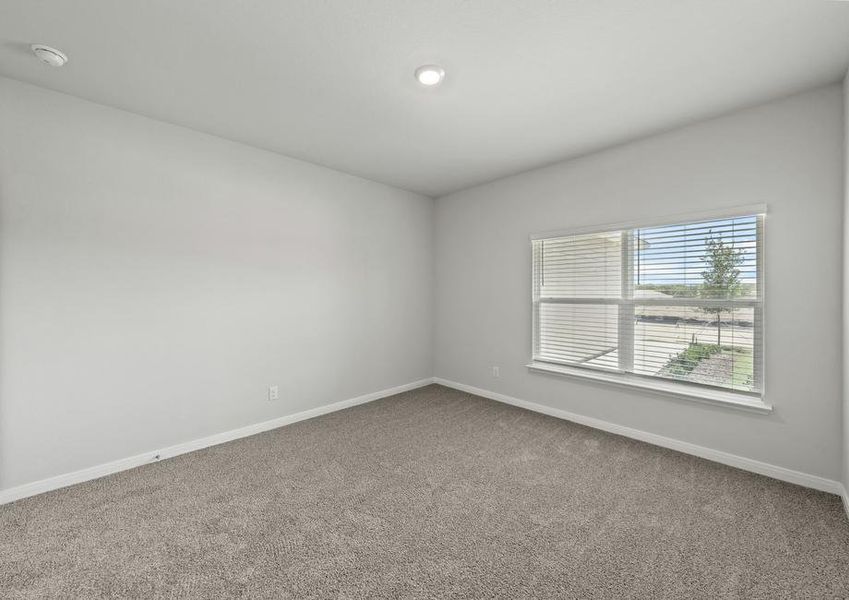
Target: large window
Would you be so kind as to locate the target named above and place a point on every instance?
(674, 303)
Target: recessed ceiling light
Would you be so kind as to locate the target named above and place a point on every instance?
(50, 56)
(430, 75)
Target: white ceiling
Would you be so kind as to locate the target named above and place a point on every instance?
(528, 82)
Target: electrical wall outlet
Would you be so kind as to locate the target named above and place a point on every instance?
(496, 372)
(273, 393)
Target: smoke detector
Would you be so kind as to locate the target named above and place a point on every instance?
(50, 56)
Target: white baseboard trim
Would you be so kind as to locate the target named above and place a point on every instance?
(60, 481)
(740, 462)
(845, 495)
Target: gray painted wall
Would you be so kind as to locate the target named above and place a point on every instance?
(846, 286)
(787, 154)
(154, 281)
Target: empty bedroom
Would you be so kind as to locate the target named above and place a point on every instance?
(424, 299)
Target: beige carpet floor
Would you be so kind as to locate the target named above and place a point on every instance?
(429, 494)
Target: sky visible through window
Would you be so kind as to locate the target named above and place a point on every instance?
(674, 254)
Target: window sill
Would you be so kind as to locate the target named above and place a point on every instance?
(679, 390)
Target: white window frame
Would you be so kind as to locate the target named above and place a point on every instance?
(737, 399)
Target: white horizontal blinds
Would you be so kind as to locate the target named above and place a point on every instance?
(579, 334)
(673, 260)
(681, 302)
(682, 342)
(580, 280)
(582, 266)
(697, 302)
